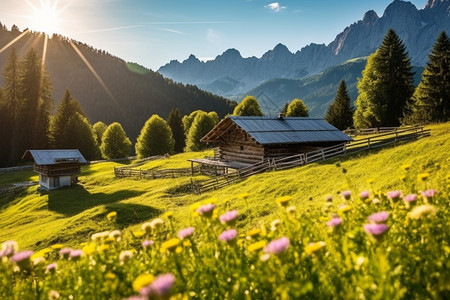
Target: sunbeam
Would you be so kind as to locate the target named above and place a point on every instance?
(44, 52)
(14, 40)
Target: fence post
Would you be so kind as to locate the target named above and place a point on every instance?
(323, 154)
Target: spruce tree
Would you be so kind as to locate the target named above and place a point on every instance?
(431, 99)
(155, 138)
(340, 112)
(202, 124)
(297, 108)
(249, 106)
(115, 143)
(176, 125)
(386, 85)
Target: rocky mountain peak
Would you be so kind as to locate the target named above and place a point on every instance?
(279, 51)
(399, 8)
(434, 3)
(370, 17)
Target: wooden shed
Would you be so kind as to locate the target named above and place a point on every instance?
(254, 139)
(56, 168)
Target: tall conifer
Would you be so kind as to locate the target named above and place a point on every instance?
(175, 122)
(340, 112)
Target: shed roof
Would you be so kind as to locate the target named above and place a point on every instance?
(285, 130)
(53, 157)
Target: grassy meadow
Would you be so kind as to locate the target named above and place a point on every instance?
(410, 260)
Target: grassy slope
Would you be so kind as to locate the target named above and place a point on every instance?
(69, 215)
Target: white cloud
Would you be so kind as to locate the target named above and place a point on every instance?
(212, 36)
(275, 6)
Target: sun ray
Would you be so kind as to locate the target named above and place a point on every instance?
(44, 53)
(14, 40)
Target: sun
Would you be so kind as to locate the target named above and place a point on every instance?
(46, 17)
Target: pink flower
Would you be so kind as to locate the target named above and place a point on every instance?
(394, 195)
(410, 198)
(228, 236)
(335, 222)
(22, 259)
(186, 233)
(229, 217)
(346, 194)
(428, 195)
(51, 268)
(375, 229)
(364, 195)
(206, 210)
(379, 217)
(160, 286)
(147, 243)
(65, 252)
(278, 246)
(76, 254)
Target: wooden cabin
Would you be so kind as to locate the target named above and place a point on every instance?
(253, 139)
(56, 168)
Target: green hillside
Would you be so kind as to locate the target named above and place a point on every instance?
(70, 215)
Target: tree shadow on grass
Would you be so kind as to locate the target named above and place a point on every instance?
(131, 214)
(73, 200)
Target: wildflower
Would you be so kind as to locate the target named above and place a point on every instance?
(170, 245)
(403, 178)
(329, 198)
(379, 217)
(206, 210)
(394, 195)
(423, 176)
(428, 195)
(346, 194)
(375, 229)
(370, 181)
(38, 261)
(168, 215)
(147, 243)
(283, 201)
(125, 255)
(344, 208)
(147, 227)
(51, 268)
(314, 247)
(278, 246)
(229, 218)
(65, 252)
(228, 236)
(156, 224)
(160, 286)
(142, 281)
(22, 259)
(112, 216)
(291, 209)
(254, 233)
(406, 167)
(186, 233)
(57, 246)
(89, 249)
(76, 254)
(110, 276)
(103, 247)
(115, 235)
(9, 248)
(256, 246)
(364, 195)
(409, 199)
(139, 234)
(335, 222)
(100, 236)
(52, 295)
(423, 211)
(274, 225)
(244, 196)
(376, 201)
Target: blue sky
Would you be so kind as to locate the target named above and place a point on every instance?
(153, 32)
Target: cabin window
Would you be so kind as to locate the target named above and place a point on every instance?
(242, 148)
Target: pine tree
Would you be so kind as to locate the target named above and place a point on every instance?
(67, 108)
(176, 125)
(431, 99)
(115, 143)
(249, 106)
(155, 138)
(340, 112)
(386, 85)
(202, 124)
(99, 129)
(297, 108)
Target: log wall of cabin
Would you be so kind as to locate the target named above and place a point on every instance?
(237, 145)
(58, 169)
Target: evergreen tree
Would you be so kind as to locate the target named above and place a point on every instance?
(82, 137)
(202, 124)
(386, 85)
(431, 99)
(115, 143)
(249, 106)
(176, 125)
(67, 108)
(99, 129)
(155, 138)
(5, 131)
(284, 109)
(297, 108)
(340, 112)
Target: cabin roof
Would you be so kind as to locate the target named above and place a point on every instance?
(53, 157)
(285, 130)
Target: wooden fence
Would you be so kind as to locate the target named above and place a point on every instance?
(123, 172)
(383, 139)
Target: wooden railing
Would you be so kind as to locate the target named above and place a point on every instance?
(124, 172)
(383, 139)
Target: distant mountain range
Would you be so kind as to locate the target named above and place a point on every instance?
(230, 75)
(131, 93)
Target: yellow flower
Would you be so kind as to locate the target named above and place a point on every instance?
(89, 249)
(141, 281)
(344, 208)
(111, 216)
(253, 233)
(403, 178)
(423, 176)
(370, 181)
(147, 227)
(57, 246)
(283, 201)
(256, 246)
(138, 234)
(423, 211)
(314, 247)
(168, 215)
(110, 276)
(103, 248)
(406, 167)
(244, 196)
(170, 245)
